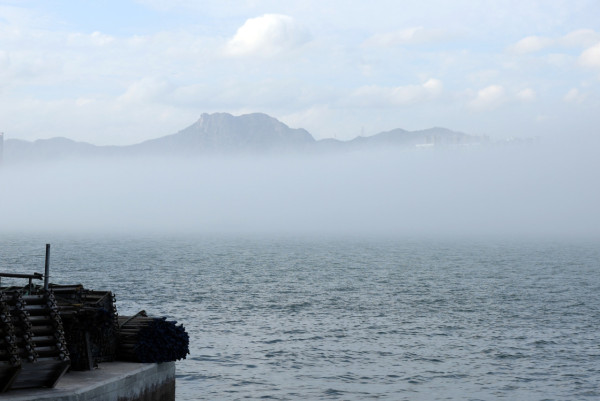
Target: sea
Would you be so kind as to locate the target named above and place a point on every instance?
(350, 318)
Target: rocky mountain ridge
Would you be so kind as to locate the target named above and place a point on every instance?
(223, 133)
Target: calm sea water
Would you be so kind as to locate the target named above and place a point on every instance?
(349, 319)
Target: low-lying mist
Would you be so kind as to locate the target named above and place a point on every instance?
(513, 191)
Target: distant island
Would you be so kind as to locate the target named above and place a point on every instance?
(225, 134)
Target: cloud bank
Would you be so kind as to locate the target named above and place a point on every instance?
(591, 57)
(376, 96)
(514, 192)
(104, 79)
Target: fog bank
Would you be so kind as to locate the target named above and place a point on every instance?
(525, 191)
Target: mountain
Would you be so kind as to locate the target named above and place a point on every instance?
(430, 137)
(223, 133)
(16, 150)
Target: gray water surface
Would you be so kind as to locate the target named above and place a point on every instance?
(350, 319)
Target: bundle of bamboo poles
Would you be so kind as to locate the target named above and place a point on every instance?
(34, 352)
(151, 339)
(10, 361)
(90, 324)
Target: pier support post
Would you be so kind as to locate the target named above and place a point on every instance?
(47, 267)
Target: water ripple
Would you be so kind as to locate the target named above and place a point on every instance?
(298, 319)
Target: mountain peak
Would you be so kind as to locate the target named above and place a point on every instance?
(225, 133)
(243, 119)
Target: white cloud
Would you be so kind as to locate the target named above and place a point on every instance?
(316, 120)
(415, 35)
(101, 39)
(146, 90)
(531, 44)
(488, 98)
(526, 95)
(380, 96)
(95, 39)
(559, 60)
(591, 56)
(575, 39)
(434, 86)
(580, 38)
(102, 121)
(574, 96)
(267, 35)
(4, 60)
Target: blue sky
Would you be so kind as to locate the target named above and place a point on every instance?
(119, 72)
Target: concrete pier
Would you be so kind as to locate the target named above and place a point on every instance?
(112, 381)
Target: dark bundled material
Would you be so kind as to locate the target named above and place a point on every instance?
(10, 361)
(151, 339)
(90, 321)
(33, 349)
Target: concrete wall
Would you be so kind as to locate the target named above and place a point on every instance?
(113, 381)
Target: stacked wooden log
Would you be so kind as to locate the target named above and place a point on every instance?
(95, 333)
(34, 351)
(91, 328)
(44, 332)
(10, 362)
(151, 339)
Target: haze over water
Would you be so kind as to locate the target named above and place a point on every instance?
(538, 190)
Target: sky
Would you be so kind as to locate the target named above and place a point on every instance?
(120, 72)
